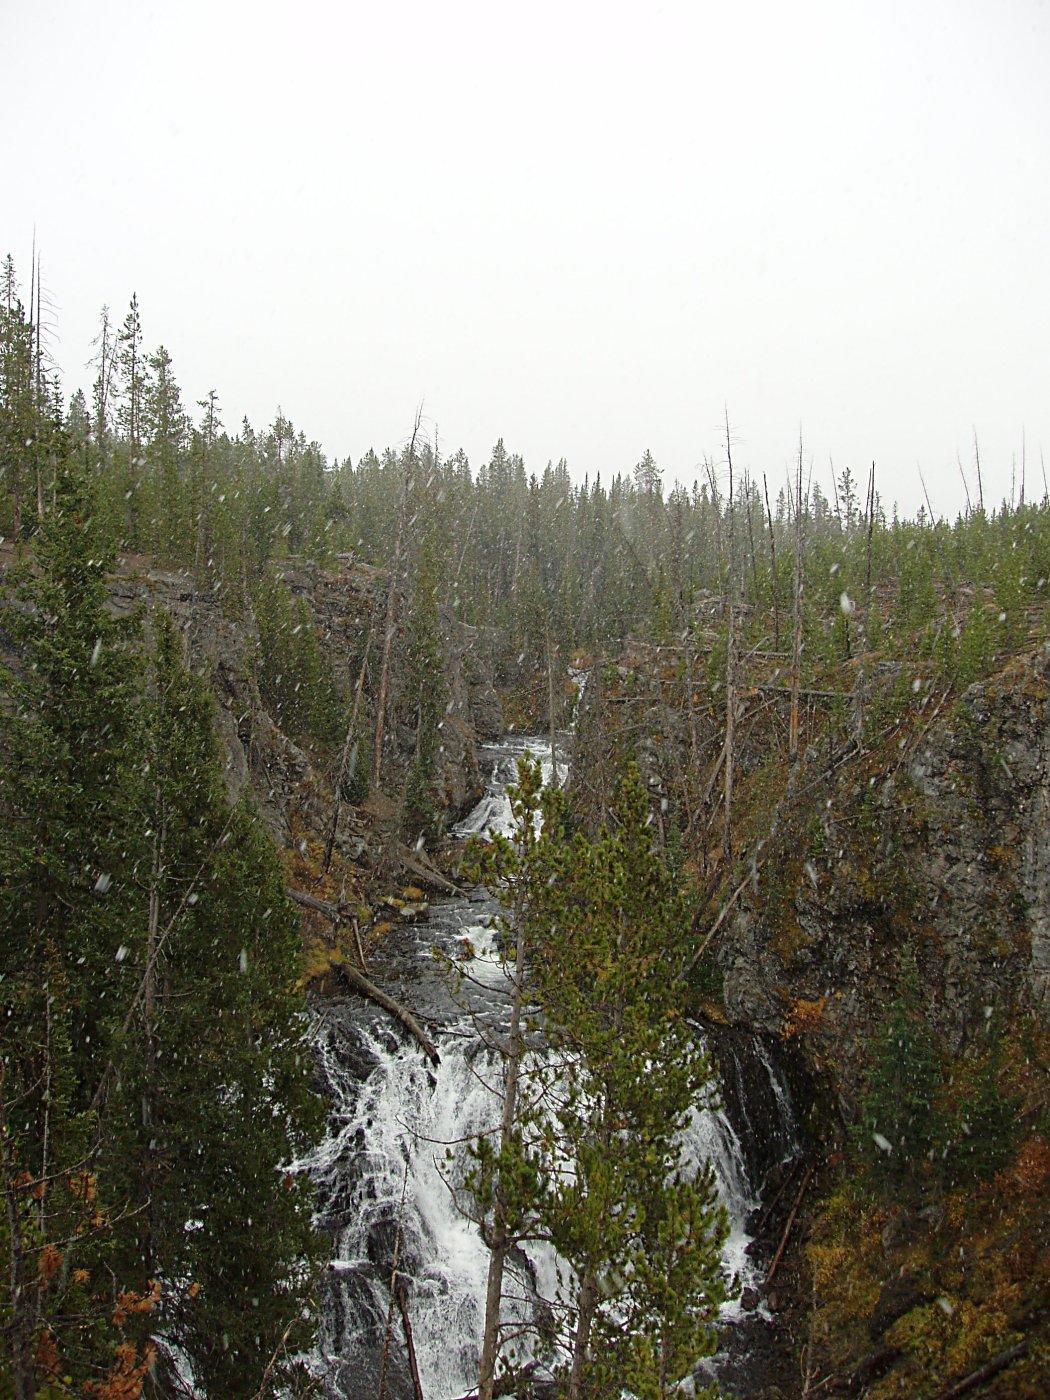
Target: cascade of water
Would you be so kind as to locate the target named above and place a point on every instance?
(389, 1174)
(782, 1097)
(710, 1137)
(391, 1170)
(396, 1179)
(492, 813)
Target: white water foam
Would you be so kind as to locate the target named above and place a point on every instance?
(384, 1170)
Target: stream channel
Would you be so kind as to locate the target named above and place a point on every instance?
(386, 1186)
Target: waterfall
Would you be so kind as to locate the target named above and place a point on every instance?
(492, 813)
(389, 1174)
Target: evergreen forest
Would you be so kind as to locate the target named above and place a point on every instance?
(797, 703)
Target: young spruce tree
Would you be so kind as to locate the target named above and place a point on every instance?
(152, 1073)
(213, 1092)
(597, 1159)
(67, 898)
(901, 1126)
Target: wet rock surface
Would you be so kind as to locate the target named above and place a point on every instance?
(291, 785)
(944, 846)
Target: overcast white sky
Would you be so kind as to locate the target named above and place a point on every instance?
(584, 227)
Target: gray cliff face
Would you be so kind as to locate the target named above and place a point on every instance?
(345, 604)
(220, 643)
(933, 834)
(1036, 890)
(942, 844)
(291, 785)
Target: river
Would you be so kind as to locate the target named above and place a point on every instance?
(389, 1171)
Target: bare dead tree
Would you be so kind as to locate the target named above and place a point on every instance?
(980, 487)
(717, 510)
(772, 566)
(966, 488)
(859, 696)
(390, 625)
(466, 543)
(348, 750)
(731, 662)
(551, 653)
(751, 535)
(38, 372)
(796, 649)
(1020, 501)
(991, 1368)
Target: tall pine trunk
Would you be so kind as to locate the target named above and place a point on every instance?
(587, 1306)
(796, 648)
(502, 1237)
(727, 826)
(391, 609)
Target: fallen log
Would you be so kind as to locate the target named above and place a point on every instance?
(990, 1368)
(787, 1228)
(428, 875)
(508, 1384)
(339, 913)
(406, 1322)
(360, 983)
(767, 1213)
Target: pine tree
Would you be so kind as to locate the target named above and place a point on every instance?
(424, 691)
(641, 1234)
(132, 370)
(67, 898)
(16, 407)
(900, 1125)
(595, 1159)
(975, 643)
(103, 389)
(202, 507)
(984, 1130)
(647, 475)
(165, 427)
(212, 1093)
(68, 741)
(152, 1073)
(295, 678)
(127, 467)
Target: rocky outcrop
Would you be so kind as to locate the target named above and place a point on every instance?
(939, 838)
(927, 829)
(348, 601)
(219, 639)
(292, 784)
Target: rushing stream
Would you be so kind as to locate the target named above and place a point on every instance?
(389, 1172)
